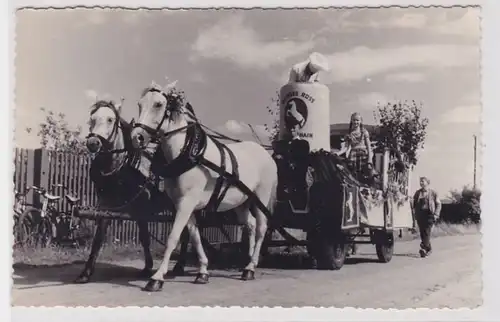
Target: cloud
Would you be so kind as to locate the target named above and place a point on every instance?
(463, 114)
(371, 100)
(243, 131)
(410, 77)
(92, 95)
(231, 40)
(96, 16)
(467, 25)
(361, 62)
(198, 77)
(437, 21)
(238, 127)
(234, 127)
(136, 16)
(132, 17)
(402, 20)
(355, 20)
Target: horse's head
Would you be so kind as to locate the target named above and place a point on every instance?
(104, 126)
(160, 113)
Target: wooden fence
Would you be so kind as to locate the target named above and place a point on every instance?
(44, 168)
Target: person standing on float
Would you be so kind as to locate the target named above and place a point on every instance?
(308, 71)
(357, 148)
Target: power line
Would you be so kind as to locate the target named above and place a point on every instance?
(475, 160)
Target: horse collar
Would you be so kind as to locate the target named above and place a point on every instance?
(191, 153)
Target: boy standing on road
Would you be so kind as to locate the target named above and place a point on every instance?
(427, 207)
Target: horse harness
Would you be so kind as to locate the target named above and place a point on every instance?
(192, 155)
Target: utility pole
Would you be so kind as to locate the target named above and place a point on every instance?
(475, 159)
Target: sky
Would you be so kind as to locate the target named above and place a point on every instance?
(230, 63)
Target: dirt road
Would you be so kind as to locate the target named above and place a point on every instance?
(450, 277)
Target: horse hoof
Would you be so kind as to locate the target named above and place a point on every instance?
(82, 279)
(201, 278)
(145, 273)
(248, 275)
(153, 286)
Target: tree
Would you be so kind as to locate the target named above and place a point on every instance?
(402, 129)
(274, 111)
(467, 205)
(57, 135)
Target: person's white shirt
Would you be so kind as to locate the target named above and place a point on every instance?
(298, 74)
(308, 71)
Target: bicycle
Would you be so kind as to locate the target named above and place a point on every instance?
(44, 226)
(18, 208)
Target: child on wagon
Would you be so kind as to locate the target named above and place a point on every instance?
(357, 148)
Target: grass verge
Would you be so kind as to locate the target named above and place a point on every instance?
(53, 256)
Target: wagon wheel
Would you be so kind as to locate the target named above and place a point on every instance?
(329, 253)
(33, 230)
(385, 247)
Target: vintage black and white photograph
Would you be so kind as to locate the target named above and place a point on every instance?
(261, 157)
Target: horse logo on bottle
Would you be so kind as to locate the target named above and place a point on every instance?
(295, 113)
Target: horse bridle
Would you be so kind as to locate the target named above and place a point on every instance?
(157, 133)
(106, 142)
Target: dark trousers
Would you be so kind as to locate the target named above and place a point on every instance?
(425, 221)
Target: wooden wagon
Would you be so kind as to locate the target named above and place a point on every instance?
(361, 213)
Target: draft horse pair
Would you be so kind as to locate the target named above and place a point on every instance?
(200, 174)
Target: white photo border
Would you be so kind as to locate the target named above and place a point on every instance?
(491, 284)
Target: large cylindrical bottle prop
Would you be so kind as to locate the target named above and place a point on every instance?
(305, 108)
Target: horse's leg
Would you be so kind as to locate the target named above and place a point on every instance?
(178, 269)
(260, 233)
(99, 237)
(194, 232)
(264, 193)
(245, 217)
(185, 209)
(145, 240)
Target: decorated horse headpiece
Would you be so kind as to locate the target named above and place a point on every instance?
(174, 105)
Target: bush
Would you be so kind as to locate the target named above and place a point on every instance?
(403, 129)
(462, 207)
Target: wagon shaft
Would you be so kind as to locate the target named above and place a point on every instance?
(95, 214)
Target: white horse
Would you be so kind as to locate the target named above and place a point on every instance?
(120, 175)
(191, 186)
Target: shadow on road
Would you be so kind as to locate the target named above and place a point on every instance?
(360, 260)
(30, 276)
(411, 255)
(39, 276)
(36, 276)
